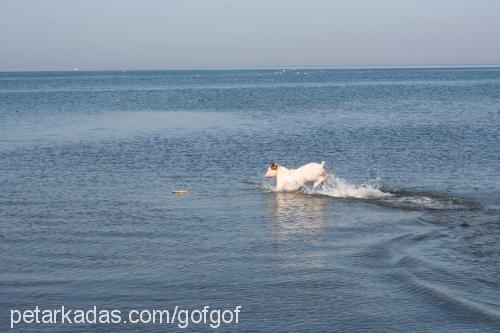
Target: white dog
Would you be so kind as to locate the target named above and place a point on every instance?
(292, 179)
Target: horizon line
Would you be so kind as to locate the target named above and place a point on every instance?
(428, 66)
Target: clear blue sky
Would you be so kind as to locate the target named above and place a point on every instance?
(157, 34)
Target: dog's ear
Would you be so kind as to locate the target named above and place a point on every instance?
(274, 166)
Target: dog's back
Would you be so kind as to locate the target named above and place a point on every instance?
(311, 171)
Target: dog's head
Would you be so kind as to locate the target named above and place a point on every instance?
(271, 170)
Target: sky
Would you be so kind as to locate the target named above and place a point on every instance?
(171, 34)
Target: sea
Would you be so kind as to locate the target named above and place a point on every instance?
(403, 237)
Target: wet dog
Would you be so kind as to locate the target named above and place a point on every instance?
(288, 180)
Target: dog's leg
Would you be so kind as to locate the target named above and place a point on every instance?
(319, 181)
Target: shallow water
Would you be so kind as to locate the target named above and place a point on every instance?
(403, 237)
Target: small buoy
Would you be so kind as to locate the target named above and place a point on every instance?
(179, 191)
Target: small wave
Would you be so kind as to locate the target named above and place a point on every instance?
(458, 298)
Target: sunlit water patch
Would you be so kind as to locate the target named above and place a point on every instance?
(53, 129)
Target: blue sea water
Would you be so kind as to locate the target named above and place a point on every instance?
(404, 237)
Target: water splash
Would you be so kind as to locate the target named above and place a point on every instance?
(339, 188)
(371, 191)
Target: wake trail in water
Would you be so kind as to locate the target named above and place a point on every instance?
(337, 187)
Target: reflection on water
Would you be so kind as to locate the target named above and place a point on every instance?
(296, 215)
(298, 218)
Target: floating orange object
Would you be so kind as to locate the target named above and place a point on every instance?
(179, 191)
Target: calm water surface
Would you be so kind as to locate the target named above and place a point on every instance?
(404, 237)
